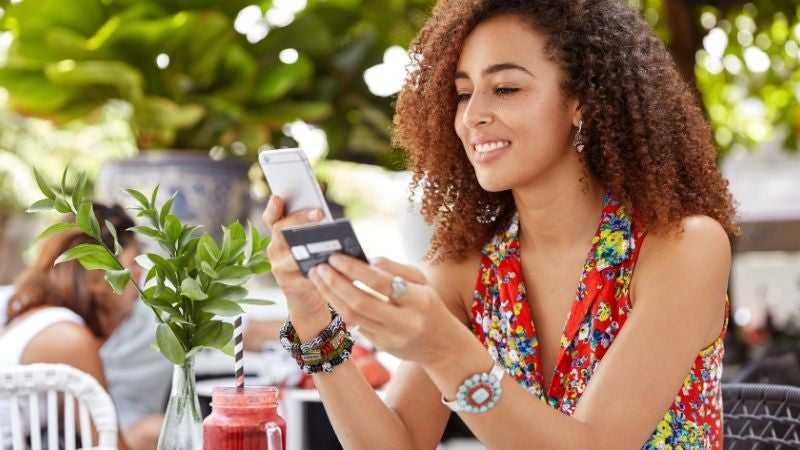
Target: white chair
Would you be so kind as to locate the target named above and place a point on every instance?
(19, 382)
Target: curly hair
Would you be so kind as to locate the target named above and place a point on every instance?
(646, 137)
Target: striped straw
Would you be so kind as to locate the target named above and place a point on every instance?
(238, 350)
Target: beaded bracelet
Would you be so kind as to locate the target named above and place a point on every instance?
(331, 347)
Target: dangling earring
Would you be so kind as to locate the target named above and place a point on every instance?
(578, 142)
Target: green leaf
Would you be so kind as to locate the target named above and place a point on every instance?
(276, 114)
(62, 206)
(214, 333)
(207, 250)
(206, 268)
(279, 79)
(260, 266)
(43, 186)
(233, 242)
(87, 220)
(113, 230)
(233, 293)
(118, 279)
(147, 231)
(233, 275)
(222, 307)
(124, 78)
(152, 273)
(57, 228)
(165, 266)
(255, 301)
(169, 345)
(139, 198)
(42, 205)
(154, 196)
(77, 192)
(187, 234)
(64, 179)
(257, 243)
(191, 289)
(228, 349)
(91, 257)
(32, 92)
(166, 209)
(173, 228)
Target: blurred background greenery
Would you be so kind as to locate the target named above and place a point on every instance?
(100, 80)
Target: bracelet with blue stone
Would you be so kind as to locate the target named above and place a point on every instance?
(478, 393)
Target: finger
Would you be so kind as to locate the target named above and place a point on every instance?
(367, 278)
(376, 276)
(273, 211)
(354, 300)
(409, 273)
(350, 317)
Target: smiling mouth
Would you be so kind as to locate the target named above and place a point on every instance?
(490, 146)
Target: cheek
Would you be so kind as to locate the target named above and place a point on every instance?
(539, 122)
(458, 125)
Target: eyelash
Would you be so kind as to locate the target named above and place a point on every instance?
(500, 92)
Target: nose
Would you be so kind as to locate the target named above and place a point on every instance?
(477, 112)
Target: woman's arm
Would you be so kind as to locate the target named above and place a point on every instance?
(72, 344)
(415, 417)
(679, 303)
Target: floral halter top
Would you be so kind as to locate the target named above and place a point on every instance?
(503, 323)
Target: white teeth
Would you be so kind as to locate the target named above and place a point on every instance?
(489, 146)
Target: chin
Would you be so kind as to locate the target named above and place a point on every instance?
(494, 183)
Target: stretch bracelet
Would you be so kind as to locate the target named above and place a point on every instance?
(331, 347)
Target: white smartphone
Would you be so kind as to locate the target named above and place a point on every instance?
(291, 178)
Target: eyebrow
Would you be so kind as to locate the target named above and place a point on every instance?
(494, 68)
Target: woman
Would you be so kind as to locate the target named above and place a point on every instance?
(538, 130)
(63, 313)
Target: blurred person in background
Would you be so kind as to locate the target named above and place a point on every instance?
(558, 133)
(65, 314)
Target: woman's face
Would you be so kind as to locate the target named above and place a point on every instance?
(512, 119)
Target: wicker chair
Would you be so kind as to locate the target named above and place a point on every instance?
(761, 417)
(21, 385)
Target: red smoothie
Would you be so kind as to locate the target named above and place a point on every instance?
(244, 420)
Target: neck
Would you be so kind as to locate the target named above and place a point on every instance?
(560, 213)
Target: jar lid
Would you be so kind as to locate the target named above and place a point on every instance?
(249, 397)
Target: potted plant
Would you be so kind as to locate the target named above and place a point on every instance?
(191, 286)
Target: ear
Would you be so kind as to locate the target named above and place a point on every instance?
(575, 111)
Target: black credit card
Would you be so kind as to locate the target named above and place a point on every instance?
(313, 244)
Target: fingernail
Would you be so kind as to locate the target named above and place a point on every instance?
(271, 206)
(335, 259)
(322, 269)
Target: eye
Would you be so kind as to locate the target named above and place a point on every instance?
(462, 97)
(501, 91)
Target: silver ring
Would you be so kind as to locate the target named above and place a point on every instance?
(399, 287)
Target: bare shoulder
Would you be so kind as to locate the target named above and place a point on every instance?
(699, 237)
(66, 343)
(692, 263)
(454, 279)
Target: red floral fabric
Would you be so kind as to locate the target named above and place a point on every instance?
(503, 323)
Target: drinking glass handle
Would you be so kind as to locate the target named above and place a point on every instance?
(274, 437)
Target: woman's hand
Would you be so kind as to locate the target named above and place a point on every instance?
(413, 327)
(303, 300)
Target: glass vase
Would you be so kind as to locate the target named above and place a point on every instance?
(183, 424)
